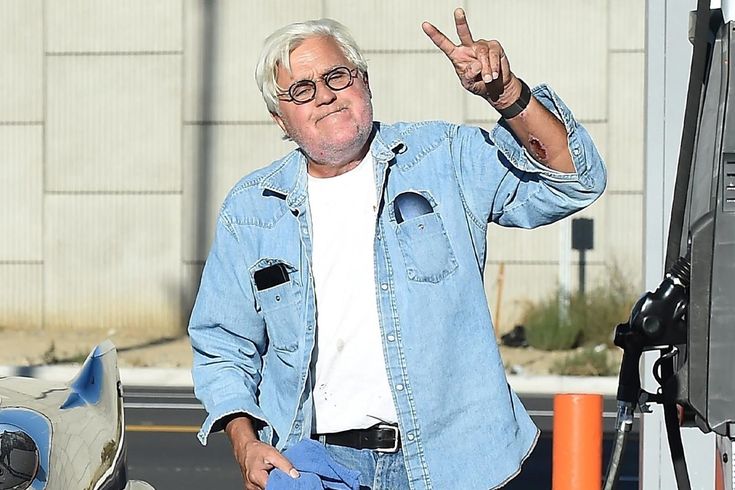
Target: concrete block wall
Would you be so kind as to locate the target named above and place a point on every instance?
(123, 125)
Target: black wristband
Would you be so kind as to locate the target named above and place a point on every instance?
(521, 103)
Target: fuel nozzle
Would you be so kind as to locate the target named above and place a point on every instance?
(658, 319)
(661, 316)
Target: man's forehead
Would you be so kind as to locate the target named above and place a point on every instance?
(314, 56)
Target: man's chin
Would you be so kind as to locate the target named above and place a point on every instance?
(338, 146)
(337, 154)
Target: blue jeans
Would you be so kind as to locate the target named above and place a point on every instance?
(378, 471)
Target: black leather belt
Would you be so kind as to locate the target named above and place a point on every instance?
(381, 438)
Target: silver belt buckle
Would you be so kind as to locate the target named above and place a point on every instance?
(396, 439)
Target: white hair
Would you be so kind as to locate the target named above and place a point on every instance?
(279, 45)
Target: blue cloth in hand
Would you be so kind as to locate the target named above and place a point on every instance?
(317, 468)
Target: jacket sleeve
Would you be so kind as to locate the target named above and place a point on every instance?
(502, 183)
(227, 334)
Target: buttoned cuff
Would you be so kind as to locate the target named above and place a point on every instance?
(216, 416)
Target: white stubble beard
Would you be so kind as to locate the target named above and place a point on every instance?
(324, 153)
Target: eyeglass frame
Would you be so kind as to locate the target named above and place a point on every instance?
(287, 96)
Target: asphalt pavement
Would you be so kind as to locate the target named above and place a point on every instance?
(164, 451)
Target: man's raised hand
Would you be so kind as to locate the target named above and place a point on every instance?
(481, 65)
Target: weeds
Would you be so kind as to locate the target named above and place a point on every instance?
(590, 320)
(50, 356)
(547, 330)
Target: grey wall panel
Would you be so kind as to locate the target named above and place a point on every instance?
(113, 262)
(114, 123)
(415, 87)
(518, 245)
(626, 131)
(394, 26)
(622, 221)
(110, 25)
(563, 43)
(21, 56)
(627, 20)
(222, 42)
(21, 296)
(21, 193)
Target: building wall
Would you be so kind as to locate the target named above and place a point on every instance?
(123, 125)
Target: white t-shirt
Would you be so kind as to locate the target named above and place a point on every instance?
(351, 389)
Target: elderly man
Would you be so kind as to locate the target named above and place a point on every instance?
(343, 297)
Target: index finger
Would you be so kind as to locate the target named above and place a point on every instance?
(280, 461)
(463, 28)
(440, 40)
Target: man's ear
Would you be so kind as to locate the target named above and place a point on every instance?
(279, 120)
(366, 81)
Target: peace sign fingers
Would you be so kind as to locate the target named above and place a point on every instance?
(439, 39)
(442, 42)
(481, 65)
(463, 28)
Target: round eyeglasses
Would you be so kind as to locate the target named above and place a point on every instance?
(304, 91)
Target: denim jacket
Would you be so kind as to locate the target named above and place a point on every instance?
(461, 424)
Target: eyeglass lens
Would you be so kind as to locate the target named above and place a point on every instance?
(337, 79)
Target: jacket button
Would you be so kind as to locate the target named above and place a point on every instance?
(384, 287)
(399, 387)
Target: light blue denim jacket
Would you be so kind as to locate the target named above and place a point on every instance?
(461, 424)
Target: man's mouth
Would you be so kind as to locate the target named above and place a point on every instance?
(330, 113)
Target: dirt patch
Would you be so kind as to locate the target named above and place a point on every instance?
(34, 347)
(38, 347)
(530, 361)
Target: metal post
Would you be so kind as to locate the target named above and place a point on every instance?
(582, 266)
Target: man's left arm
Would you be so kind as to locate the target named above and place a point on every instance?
(484, 70)
(538, 164)
(538, 130)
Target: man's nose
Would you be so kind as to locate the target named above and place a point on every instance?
(324, 94)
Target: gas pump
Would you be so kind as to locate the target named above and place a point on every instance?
(690, 318)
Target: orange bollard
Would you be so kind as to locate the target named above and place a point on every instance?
(577, 444)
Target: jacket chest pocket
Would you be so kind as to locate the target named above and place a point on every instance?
(422, 237)
(280, 305)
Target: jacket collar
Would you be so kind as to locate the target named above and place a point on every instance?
(288, 179)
